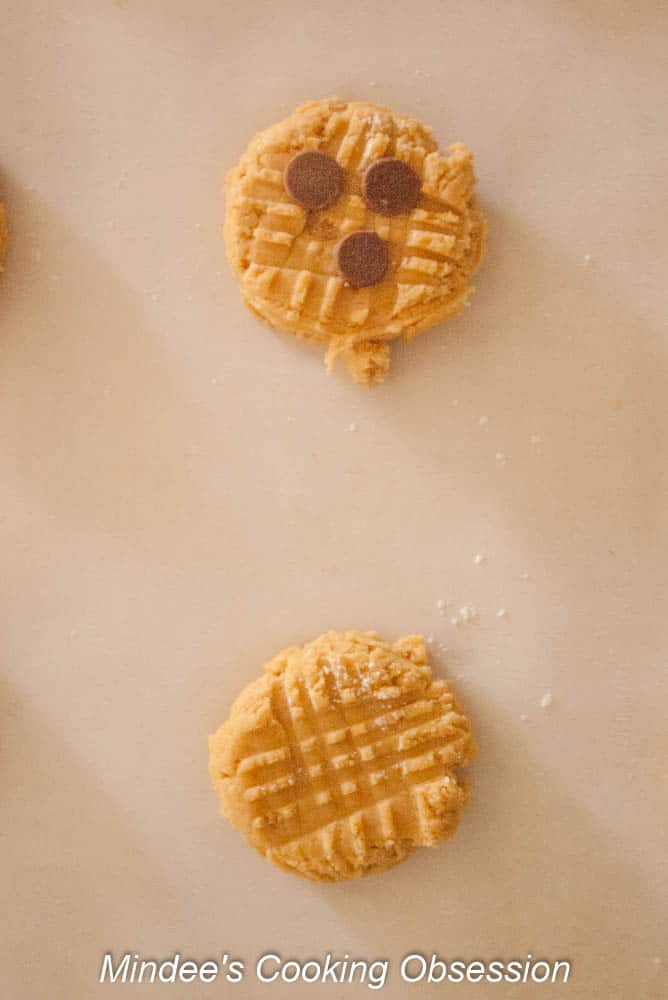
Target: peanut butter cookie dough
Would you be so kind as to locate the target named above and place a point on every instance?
(345, 225)
(341, 758)
(4, 236)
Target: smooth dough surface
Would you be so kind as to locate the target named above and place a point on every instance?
(342, 757)
(284, 256)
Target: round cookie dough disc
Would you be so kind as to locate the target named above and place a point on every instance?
(285, 254)
(342, 757)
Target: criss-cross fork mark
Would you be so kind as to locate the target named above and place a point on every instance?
(334, 768)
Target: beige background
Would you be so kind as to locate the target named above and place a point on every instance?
(182, 495)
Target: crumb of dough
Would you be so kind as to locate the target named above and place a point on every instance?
(466, 615)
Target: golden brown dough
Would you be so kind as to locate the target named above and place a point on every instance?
(4, 236)
(342, 757)
(285, 256)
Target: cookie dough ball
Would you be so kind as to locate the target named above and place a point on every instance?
(342, 758)
(345, 225)
(4, 236)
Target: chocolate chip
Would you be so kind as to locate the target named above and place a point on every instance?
(391, 187)
(314, 180)
(362, 258)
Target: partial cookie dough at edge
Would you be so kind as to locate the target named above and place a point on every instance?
(4, 236)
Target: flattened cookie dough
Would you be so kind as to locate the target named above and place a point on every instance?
(342, 757)
(332, 169)
(4, 236)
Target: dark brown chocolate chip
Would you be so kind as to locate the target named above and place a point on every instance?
(391, 187)
(314, 180)
(362, 258)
